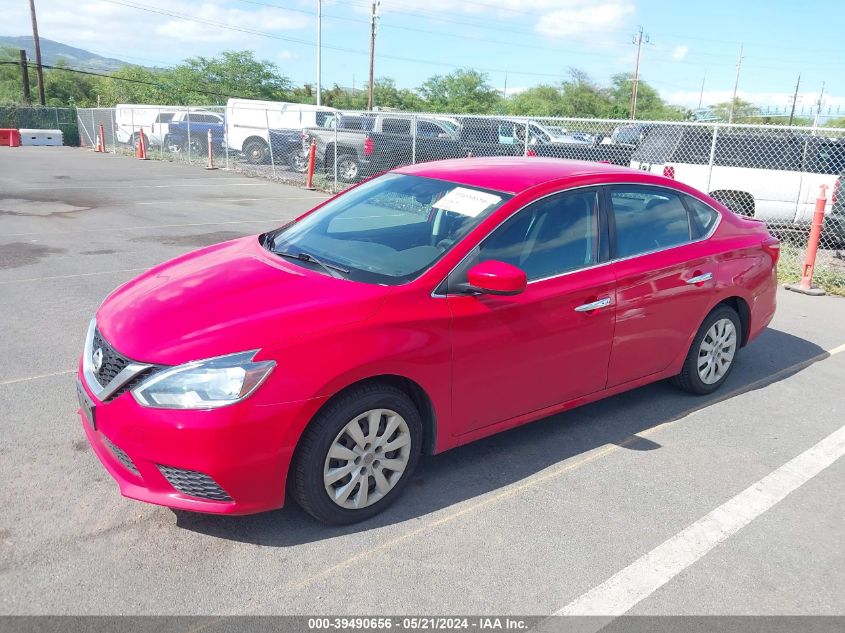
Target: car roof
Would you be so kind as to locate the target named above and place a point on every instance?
(512, 174)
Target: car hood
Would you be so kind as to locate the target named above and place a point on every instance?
(227, 298)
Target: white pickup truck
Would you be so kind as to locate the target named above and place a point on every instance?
(773, 175)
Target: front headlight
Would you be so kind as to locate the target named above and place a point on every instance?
(204, 384)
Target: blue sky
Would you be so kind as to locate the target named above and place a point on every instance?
(530, 41)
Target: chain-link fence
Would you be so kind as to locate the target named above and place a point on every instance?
(42, 118)
(772, 173)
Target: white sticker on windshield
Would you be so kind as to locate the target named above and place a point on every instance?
(469, 202)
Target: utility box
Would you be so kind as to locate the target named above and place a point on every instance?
(10, 137)
(41, 137)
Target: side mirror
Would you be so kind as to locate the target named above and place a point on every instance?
(495, 278)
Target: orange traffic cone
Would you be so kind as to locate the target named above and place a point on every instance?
(99, 147)
(141, 150)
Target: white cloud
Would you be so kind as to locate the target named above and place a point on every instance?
(286, 55)
(109, 28)
(590, 21)
(585, 20)
(680, 52)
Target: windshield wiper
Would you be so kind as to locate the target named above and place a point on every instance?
(302, 256)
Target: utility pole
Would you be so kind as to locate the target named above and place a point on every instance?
(819, 107)
(736, 85)
(794, 100)
(27, 99)
(373, 19)
(505, 91)
(319, 33)
(638, 39)
(701, 94)
(37, 43)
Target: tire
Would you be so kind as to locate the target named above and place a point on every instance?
(256, 151)
(736, 204)
(348, 168)
(298, 161)
(695, 377)
(314, 472)
(199, 147)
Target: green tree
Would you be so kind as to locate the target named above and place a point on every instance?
(650, 105)
(461, 91)
(232, 73)
(742, 110)
(542, 100)
(581, 97)
(64, 88)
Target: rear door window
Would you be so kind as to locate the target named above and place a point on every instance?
(648, 219)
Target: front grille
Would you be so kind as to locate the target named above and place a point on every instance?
(121, 456)
(113, 361)
(194, 484)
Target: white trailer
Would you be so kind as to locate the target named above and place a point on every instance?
(248, 122)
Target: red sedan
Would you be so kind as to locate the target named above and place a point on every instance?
(426, 308)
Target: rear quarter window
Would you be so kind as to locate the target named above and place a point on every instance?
(704, 217)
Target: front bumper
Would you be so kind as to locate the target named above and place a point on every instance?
(242, 450)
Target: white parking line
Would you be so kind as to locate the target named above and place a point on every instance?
(622, 591)
(55, 373)
(149, 226)
(99, 272)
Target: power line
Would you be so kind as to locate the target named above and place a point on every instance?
(159, 85)
(251, 31)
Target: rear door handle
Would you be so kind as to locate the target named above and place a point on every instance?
(595, 305)
(700, 278)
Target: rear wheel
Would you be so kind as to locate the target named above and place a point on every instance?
(348, 169)
(712, 354)
(256, 151)
(736, 203)
(357, 455)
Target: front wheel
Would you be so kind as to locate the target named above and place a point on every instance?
(298, 161)
(712, 354)
(357, 455)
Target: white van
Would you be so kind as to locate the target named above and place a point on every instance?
(772, 175)
(248, 120)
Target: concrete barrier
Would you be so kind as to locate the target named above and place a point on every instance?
(41, 137)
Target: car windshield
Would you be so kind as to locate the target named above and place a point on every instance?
(386, 231)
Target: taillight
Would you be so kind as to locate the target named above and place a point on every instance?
(772, 246)
(530, 152)
(669, 172)
(368, 146)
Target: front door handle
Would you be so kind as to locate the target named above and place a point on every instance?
(700, 278)
(595, 305)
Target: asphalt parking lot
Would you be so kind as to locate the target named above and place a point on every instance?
(613, 499)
